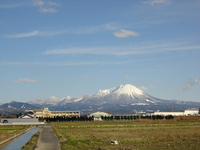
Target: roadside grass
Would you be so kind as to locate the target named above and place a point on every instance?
(131, 135)
(9, 130)
(31, 144)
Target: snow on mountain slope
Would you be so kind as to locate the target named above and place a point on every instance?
(127, 89)
(69, 100)
(48, 101)
(103, 92)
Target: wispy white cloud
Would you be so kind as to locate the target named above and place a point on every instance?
(152, 2)
(86, 30)
(197, 80)
(22, 35)
(65, 79)
(26, 80)
(128, 77)
(46, 6)
(53, 3)
(37, 33)
(191, 84)
(84, 76)
(142, 88)
(81, 63)
(7, 6)
(188, 85)
(4, 63)
(122, 51)
(39, 3)
(48, 10)
(125, 33)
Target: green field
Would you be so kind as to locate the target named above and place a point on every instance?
(131, 135)
(9, 130)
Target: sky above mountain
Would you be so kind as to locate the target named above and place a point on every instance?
(72, 48)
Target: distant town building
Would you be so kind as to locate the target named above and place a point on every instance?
(97, 115)
(47, 113)
(191, 112)
(27, 115)
(185, 113)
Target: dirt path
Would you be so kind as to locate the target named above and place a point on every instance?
(47, 139)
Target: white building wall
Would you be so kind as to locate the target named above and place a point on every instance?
(99, 114)
(185, 113)
(191, 112)
(169, 113)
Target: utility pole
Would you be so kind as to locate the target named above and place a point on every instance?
(171, 108)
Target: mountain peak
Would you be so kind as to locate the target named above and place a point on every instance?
(129, 90)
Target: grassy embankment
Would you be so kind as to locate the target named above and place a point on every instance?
(31, 144)
(131, 135)
(9, 130)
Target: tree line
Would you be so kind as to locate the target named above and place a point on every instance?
(105, 118)
(152, 117)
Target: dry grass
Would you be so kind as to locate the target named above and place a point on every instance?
(187, 118)
(8, 130)
(141, 135)
(2, 135)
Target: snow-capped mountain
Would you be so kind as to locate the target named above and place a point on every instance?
(123, 94)
(127, 89)
(121, 99)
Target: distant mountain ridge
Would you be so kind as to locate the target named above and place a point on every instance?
(121, 99)
(123, 94)
(16, 107)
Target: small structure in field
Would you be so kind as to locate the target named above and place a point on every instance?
(97, 115)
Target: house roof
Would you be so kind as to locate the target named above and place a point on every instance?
(26, 116)
(100, 113)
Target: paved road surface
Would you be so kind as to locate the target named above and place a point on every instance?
(22, 123)
(47, 139)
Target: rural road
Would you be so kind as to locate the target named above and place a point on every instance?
(47, 139)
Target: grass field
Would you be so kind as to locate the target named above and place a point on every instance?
(131, 135)
(8, 130)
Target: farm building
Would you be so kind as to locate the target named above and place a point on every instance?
(191, 112)
(97, 115)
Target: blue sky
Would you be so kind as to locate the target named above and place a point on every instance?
(72, 48)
